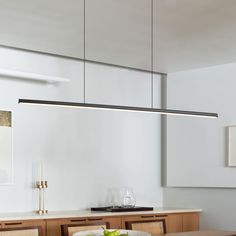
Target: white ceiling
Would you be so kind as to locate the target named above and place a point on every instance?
(187, 33)
(52, 26)
(195, 33)
(119, 32)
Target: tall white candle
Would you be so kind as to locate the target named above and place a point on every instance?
(40, 171)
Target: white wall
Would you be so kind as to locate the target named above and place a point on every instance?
(196, 148)
(85, 152)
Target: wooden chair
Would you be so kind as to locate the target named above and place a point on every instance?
(21, 231)
(70, 229)
(153, 226)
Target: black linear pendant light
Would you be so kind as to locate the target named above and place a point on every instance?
(116, 107)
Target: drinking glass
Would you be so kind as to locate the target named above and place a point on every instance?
(113, 198)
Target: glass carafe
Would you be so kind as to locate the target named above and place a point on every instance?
(128, 198)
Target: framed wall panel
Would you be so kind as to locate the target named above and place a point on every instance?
(5, 147)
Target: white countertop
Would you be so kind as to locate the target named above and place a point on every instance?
(88, 213)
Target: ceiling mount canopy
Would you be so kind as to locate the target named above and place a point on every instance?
(118, 107)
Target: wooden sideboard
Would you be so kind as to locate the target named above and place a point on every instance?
(175, 222)
(24, 224)
(180, 222)
(53, 226)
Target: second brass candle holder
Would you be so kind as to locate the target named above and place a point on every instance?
(41, 186)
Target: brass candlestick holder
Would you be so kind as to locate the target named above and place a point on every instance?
(41, 186)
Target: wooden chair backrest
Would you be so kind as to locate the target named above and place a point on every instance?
(69, 230)
(152, 227)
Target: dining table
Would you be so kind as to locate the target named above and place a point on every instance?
(140, 233)
(201, 233)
